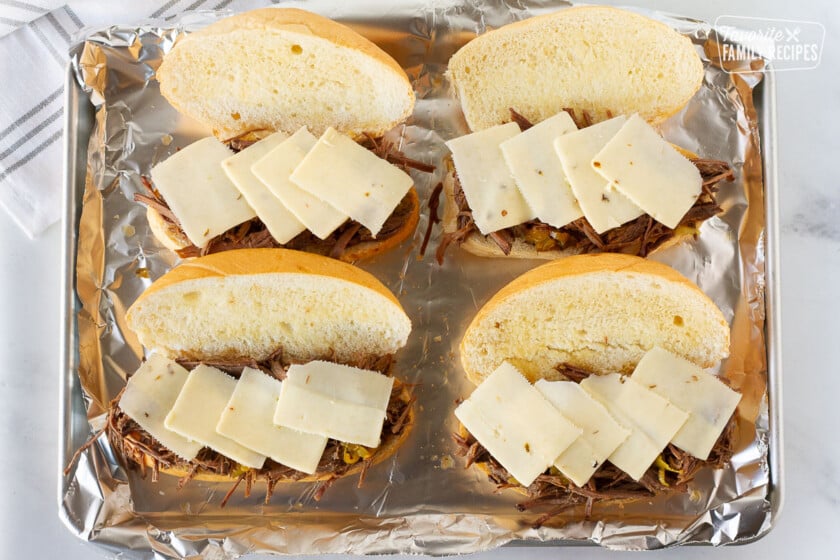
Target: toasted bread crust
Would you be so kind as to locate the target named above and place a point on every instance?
(169, 235)
(248, 262)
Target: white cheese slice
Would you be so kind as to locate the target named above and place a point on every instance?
(353, 179)
(604, 208)
(280, 221)
(337, 381)
(336, 401)
(248, 419)
(274, 170)
(653, 421)
(601, 433)
(199, 192)
(149, 396)
(516, 424)
(534, 164)
(649, 171)
(491, 190)
(707, 400)
(197, 411)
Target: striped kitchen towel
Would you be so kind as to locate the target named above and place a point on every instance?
(32, 62)
(34, 40)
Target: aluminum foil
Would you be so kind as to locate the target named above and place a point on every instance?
(421, 500)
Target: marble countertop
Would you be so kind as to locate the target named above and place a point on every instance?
(808, 120)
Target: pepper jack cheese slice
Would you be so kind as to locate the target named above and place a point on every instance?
(534, 164)
(649, 171)
(351, 178)
(281, 223)
(274, 169)
(603, 207)
(707, 400)
(198, 409)
(149, 396)
(601, 433)
(653, 421)
(199, 192)
(248, 419)
(335, 401)
(491, 190)
(516, 424)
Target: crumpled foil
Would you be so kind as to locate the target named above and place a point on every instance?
(422, 500)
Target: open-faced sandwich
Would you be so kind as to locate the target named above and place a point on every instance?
(299, 106)
(591, 385)
(563, 157)
(265, 365)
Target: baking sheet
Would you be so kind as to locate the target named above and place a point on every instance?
(421, 500)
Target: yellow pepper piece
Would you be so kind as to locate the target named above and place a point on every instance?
(352, 453)
(238, 471)
(663, 466)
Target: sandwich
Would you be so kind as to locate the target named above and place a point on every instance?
(607, 353)
(564, 156)
(264, 365)
(304, 154)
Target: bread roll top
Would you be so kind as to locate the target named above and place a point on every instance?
(594, 59)
(596, 312)
(249, 303)
(283, 68)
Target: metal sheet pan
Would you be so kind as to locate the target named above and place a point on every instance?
(101, 502)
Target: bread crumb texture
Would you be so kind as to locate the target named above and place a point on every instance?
(281, 69)
(235, 316)
(603, 321)
(593, 59)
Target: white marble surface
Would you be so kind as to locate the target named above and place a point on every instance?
(808, 121)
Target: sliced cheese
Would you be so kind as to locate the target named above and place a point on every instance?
(339, 382)
(601, 433)
(652, 420)
(149, 396)
(516, 424)
(199, 192)
(353, 179)
(198, 408)
(280, 221)
(534, 164)
(248, 419)
(335, 401)
(274, 169)
(604, 207)
(649, 171)
(488, 185)
(707, 400)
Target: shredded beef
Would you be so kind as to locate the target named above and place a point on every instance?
(554, 492)
(138, 446)
(637, 237)
(278, 363)
(253, 234)
(608, 483)
(519, 119)
(434, 204)
(572, 373)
